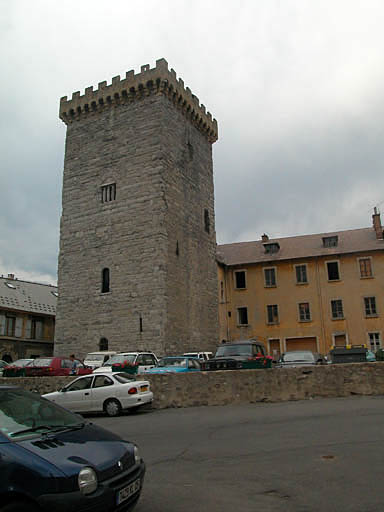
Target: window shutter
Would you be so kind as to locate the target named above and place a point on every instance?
(18, 327)
(2, 323)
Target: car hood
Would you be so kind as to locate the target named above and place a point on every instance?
(89, 446)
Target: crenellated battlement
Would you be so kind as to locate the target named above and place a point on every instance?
(158, 80)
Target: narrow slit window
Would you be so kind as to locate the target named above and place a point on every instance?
(108, 193)
(207, 222)
(105, 278)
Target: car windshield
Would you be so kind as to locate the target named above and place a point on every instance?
(234, 350)
(290, 357)
(120, 358)
(41, 362)
(23, 414)
(177, 362)
(123, 378)
(95, 357)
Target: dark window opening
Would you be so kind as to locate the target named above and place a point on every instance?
(272, 314)
(270, 277)
(190, 150)
(301, 274)
(37, 328)
(240, 279)
(337, 308)
(330, 241)
(229, 314)
(103, 344)
(141, 324)
(108, 193)
(271, 248)
(370, 306)
(105, 281)
(206, 221)
(242, 316)
(10, 323)
(177, 248)
(333, 271)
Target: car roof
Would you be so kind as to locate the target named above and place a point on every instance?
(102, 352)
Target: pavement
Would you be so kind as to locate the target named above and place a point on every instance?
(312, 455)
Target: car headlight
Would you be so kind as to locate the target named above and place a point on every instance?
(87, 480)
(136, 454)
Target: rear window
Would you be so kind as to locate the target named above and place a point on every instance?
(95, 357)
(234, 350)
(296, 357)
(123, 378)
(41, 362)
(119, 358)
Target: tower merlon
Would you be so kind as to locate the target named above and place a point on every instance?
(158, 80)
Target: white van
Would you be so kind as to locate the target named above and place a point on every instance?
(97, 359)
(144, 361)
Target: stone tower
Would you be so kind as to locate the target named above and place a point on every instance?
(137, 267)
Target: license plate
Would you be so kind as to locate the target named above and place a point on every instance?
(128, 491)
(143, 388)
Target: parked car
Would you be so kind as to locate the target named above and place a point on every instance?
(293, 358)
(203, 356)
(20, 363)
(143, 360)
(54, 366)
(237, 355)
(371, 358)
(3, 364)
(96, 359)
(53, 459)
(176, 364)
(104, 392)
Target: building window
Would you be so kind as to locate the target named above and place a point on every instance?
(337, 309)
(10, 323)
(374, 341)
(242, 316)
(105, 280)
(270, 277)
(370, 306)
(103, 344)
(240, 282)
(221, 291)
(333, 270)
(304, 312)
(271, 248)
(37, 328)
(365, 266)
(207, 222)
(272, 314)
(108, 193)
(301, 274)
(330, 241)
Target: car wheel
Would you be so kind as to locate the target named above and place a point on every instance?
(19, 506)
(112, 407)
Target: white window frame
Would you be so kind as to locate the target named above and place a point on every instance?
(370, 315)
(304, 320)
(278, 314)
(234, 279)
(369, 340)
(340, 333)
(359, 268)
(306, 273)
(342, 305)
(265, 280)
(238, 316)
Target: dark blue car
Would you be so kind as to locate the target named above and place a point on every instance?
(54, 460)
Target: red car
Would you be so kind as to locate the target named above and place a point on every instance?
(55, 366)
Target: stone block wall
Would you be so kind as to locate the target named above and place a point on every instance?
(245, 386)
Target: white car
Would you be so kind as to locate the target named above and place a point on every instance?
(203, 356)
(105, 392)
(144, 361)
(97, 359)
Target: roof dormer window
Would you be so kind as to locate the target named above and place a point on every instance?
(271, 248)
(330, 241)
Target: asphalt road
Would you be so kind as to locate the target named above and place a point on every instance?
(314, 455)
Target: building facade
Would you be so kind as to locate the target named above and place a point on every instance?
(27, 318)
(137, 263)
(305, 292)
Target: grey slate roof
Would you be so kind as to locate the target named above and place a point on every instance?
(299, 247)
(27, 296)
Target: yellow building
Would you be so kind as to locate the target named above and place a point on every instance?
(304, 292)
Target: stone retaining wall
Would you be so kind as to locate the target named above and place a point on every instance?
(245, 386)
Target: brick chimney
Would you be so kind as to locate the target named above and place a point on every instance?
(377, 224)
(264, 238)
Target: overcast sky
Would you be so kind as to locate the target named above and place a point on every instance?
(297, 88)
